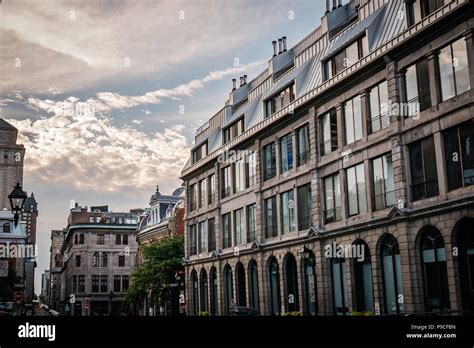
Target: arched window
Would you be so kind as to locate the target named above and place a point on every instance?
(213, 292)
(392, 275)
(274, 274)
(104, 259)
(339, 285)
(118, 239)
(292, 298)
(204, 291)
(309, 275)
(95, 259)
(465, 241)
(241, 292)
(253, 288)
(364, 296)
(81, 238)
(195, 299)
(229, 289)
(75, 239)
(125, 239)
(435, 277)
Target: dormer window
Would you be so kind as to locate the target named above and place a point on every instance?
(345, 58)
(280, 100)
(200, 152)
(233, 130)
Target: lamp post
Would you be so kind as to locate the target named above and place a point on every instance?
(111, 296)
(17, 199)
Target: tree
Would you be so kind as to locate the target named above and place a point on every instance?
(161, 260)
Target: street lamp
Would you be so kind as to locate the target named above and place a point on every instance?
(17, 200)
(305, 252)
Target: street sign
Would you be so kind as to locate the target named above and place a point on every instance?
(18, 296)
(3, 268)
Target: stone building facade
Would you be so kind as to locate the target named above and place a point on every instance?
(12, 156)
(99, 252)
(340, 179)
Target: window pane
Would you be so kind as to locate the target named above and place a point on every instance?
(357, 118)
(467, 149)
(389, 184)
(288, 209)
(411, 87)
(360, 172)
(446, 73)
(352, 191)
(349, 122)
(460, 64)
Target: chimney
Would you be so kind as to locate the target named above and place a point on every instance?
(334, 4)
(245, 79)
(328, 5)
(234, 82)
(280, 46)
(274, 43)
(339, 3)
(241, 81)
(284, 43)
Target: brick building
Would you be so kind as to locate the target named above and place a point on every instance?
(55, 266)
(99, 252)
(339, 180)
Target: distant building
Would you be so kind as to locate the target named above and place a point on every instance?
(163, 218)
(11, 162)
(99, 253)
(44, 284)
(55, 266)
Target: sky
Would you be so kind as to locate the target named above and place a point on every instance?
(107, 94)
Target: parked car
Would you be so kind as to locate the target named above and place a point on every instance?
(3, 313)
(248, 311)
(53, 313)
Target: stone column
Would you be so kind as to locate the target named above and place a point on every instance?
(435, 92)
(365, 113)
(440, 164)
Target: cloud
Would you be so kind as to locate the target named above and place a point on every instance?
(87, 152)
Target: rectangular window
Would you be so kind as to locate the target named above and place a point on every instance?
(226, 231)
(271, 228)
(251, 169)
(453, 69)
(356, 196)
(280, 100)
(239, 226)
(100, 239)
(459, 155)
(78, 260)
(269, 165)
(332, 198)
(211, 231)
(82, 284)
(233, 131)
(345, 58)
(417, 88)
(200, 152)
(286, 153)
(302, 145)
(304, 200)
(74, 284)
(125, 282)
(121, 260)
(430, 6)
(192, 240)
(239, 175)
(379, 108)
(211, 189)
(251, 222)
(329, 132)
(117, 284)
(226, 183)
(95, 283)
(288, 222)
(353, 120)
(192, 197)
(202, 193)
(424, 176)
(103, 283)
(383, 186)
(202, 237)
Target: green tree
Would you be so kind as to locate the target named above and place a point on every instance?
(161, 260)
